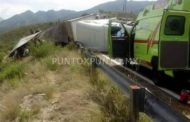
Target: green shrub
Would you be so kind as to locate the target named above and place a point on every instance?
(70, 46)
(42, 50)
(13, 82)
(12, 71)
(24, 116)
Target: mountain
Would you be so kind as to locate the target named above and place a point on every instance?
(132, 6)
(28, 17)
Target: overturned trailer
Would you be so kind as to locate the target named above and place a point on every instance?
(71, 25)
(93, 34)
(57, 34)
(104, 35)
(65, 31)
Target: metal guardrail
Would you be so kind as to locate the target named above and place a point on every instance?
(160, 112)
(141, 99)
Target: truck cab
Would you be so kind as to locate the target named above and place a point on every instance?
(161, 40)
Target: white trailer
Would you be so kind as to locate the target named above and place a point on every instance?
(93, 34)
(71, 25)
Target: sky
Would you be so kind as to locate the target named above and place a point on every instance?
(9, 8)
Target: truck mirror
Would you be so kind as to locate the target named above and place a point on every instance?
(179, 1)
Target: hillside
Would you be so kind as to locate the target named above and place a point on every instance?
(28, 17)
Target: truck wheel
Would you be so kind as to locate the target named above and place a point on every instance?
(136, 68)
(157, 75)
(126, 62)
(181, 75)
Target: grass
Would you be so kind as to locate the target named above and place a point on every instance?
(13, 76)
(44, 88)
(2, 55)
(43, 50)
(114, 103)
(70, 46)
(11, 102)
(63, 92)
(144, 118)
(43, 77)
(12, 70)
(13, 83)
(24, 116)
(50, 64)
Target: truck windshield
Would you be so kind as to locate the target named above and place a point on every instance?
(175, 25)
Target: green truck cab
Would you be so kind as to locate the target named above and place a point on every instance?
(160, 37)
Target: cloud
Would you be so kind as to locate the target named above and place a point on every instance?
(76, 4)
(8, 10)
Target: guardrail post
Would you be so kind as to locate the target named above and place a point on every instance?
(137, 98)
(93, 71)
(81, 50)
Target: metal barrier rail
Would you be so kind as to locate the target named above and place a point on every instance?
(141, 99)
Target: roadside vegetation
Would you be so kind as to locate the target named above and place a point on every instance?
(115, 105)
(41, 87)
(35, 89)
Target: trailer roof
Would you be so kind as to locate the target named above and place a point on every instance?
(82, 17)
(100, 22)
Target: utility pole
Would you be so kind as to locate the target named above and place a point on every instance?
(125, 7)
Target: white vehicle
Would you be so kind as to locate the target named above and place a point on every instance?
(104, 35)
(93, 34)
(71, 25)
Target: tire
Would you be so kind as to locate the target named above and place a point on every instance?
(181, 75)
(126, 63)
(157, 76)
